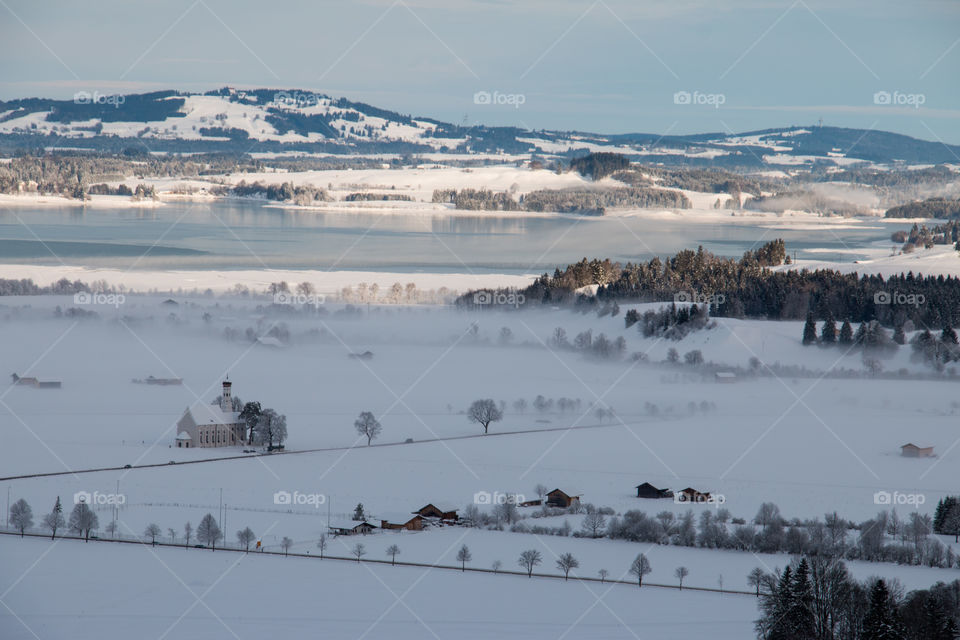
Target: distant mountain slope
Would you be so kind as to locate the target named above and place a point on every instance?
(269, 120)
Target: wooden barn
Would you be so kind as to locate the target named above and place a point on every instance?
(692, 495)
(400, 524)
(562, 499)
(911, 450)
(444, 513)
(647, 490)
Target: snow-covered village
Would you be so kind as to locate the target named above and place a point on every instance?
(473, 320)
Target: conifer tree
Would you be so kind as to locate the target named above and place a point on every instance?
(810, 331)
(846, 333)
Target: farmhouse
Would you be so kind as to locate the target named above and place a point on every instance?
(211, 425)
(911, 450)
(350, 528)
(444, 513)
(403, 522)
(558, 498)
(647, 490)
(34, 382)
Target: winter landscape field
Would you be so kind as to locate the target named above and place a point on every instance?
(473, 320)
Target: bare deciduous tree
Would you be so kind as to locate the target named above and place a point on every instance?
(359, 551)
(83, 520)
(594, 524)
(496, 565)
(530, 559)
(483, 412)
(368, 426)
(245, 536)
(392, 551)
(566, 562)
(681, 573)
(322, 544)
(21, 516)
(187, 532)
(463, 557)
(152, 531)
(640, 567)
(208, 531)
(603, 573)
(54, 520)
(286, 543)
(756, 579)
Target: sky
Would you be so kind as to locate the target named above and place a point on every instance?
(606, 66)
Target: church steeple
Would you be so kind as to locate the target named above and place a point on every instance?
(226, 399)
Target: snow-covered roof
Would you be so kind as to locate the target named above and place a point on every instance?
(204, 413)
(183, 435)
(349, 524)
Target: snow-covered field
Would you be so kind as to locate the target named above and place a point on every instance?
(141, 592)
(810, 444)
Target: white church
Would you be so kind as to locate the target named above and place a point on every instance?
(212, 425)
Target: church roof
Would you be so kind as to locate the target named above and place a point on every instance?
(207, 414)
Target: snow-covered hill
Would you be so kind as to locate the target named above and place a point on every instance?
(295, 120)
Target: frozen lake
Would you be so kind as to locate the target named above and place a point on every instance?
(247, 234)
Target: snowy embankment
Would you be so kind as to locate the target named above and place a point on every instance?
(327, 283)
(94, 591)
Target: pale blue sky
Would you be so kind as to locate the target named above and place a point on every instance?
(610, 66)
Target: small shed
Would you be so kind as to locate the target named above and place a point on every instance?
(647, 490)
(562, 499)
(725, 377)
(911, 450)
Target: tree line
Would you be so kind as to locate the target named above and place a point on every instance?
(746, 287)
